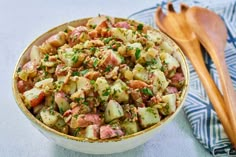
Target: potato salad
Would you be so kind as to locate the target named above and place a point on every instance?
(106, 79)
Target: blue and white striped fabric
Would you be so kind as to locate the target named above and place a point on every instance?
(198, 109)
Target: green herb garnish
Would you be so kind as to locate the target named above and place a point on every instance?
(140, 27)
(93, 26)
(107, 40)
(95, 63)
(108, 68)
(85, 103)
(93, 49)
(78, 100)
(83, 72)
(151, 62)
(75, 73)
(137, 53)
(19, 69)
(92, 82)
(61, 110)
(106, 92)
(150, 110)
(146, 91)
(46, 57)
(76, 131)
(75, 58)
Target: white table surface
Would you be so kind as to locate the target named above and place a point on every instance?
(21, 22)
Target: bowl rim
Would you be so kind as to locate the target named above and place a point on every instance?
(43, 126)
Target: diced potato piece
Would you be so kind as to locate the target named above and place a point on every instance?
(61, 78)
(154, 36)
(78, 95)
(140, 73)
(123, 34)
(103, 88)
(30, 68)
(119, 91)
(170, 106)
(159, 81)
(130, 36)
(23, 75)
(92, 132)
(166, 47)
(49, 101)
(70, 87)
(148, 116)
(151, 54)
(169, 60)
(96, 21)
(137, 84)
(130, 127)
(61, 125)
(62, 102)
(131, 49)
(128, 74)
(110, 58)
(106, 131)
(113, 111)
(83, 84)
(49, 117)
(35, 55)
(93, 43)
(34, 96)
(46, 83)
(57, 40)
(49, 64)
(71, 58)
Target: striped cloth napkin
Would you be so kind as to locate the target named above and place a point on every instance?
(198, 109)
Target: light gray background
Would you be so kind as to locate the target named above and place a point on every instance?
(20, 23)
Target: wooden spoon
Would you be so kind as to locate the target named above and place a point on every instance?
(212, 33)
(175, 25)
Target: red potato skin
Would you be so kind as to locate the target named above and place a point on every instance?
(89, 119)
(24, 86)
(103, 30)
(110, 60)
(75, 35)
(60, 94)
(107, 132)
(57, 40)
(60, 71)
(122, 24)
(75, 110)
(177, 78)
(36, 101)
(67, 113)
(171, 90)
(137, 84)
(92, 75)
(31, 68)
(93, 34)
(96, 129)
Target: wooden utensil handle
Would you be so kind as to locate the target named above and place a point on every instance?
(195, 56)
(214, 96)
(228, 91)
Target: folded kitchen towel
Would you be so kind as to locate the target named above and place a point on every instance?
(198, 109)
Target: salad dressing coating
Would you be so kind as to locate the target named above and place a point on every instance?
(103, 80)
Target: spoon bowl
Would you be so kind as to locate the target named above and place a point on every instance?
(212, 33)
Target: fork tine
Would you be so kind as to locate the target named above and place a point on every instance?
(159, 12)
(184, 7)
(170, 7)
(159, 17)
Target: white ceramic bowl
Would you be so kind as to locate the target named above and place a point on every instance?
(99, 146)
